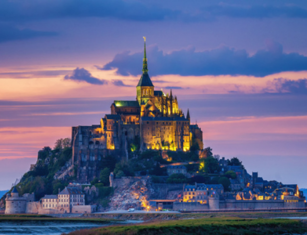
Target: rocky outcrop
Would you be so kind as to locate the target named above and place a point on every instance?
(135, 192)
(131, 192)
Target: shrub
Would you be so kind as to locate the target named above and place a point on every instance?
(177, 179)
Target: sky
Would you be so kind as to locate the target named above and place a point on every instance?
(239, 66)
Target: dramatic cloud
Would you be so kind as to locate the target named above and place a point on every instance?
(34, 74)
(173, 87)
(20, 10)
(12, 33)
(118, 82)
(82, 75)
(257, 11)
(290, 86)
(219, 61)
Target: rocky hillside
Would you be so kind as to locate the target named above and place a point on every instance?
(135, 192)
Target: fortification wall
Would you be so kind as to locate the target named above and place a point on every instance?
(189, 206)
(83, 209)
(251, 204)
(33, 207)
(15, 206)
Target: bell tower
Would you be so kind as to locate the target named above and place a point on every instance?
(145, 88)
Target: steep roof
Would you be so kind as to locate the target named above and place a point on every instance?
(50, 197)
(126, 103)
(71, 190)
(14, 190)
(145, 80)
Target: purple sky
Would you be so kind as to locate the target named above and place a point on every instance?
(240, 66)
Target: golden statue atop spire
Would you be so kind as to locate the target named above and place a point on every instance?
(144, 39)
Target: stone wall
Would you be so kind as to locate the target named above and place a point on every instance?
(33, 207)
(15, 206)
(166, 191)
(83, 209)
(190, 206)
(250, 204)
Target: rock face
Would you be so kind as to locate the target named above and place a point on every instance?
(131, 192)
(135, 192)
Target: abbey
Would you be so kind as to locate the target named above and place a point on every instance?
(152, 121)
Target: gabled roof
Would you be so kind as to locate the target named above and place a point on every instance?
(126, 103)
(50, 197)
(145, 80)
(71, 190)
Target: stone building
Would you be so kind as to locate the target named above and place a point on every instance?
(15, 204)
(153, 120)
(200, 192)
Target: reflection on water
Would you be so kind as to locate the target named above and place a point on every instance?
(44, 227)
(302, 218)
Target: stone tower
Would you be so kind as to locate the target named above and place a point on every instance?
(145, 88)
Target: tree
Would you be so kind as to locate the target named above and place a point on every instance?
(109, 161)
(225, 182)
(230, 175)
(62, 143)
(104, 176)
(208, 152)
(177, 179)
(235, 162)
(211, 165)
(157, 170)
(199, 179)
(221, 180)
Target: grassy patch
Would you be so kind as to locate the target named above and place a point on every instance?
(229, 225)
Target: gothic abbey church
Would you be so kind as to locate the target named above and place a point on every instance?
(154, 120)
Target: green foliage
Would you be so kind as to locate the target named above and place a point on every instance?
(183, 156)
(208, 152)
(199, 179)
(235, 162)
(104, 176)
(208, 226)
(221, 180)
(135, 145)
(149, 154)
(123, 169)
(192, 168)
(156, 179)
(56, 185)
(109, 161)
(62, 143)
(230, 175)
(211, 165)
(177, 179)
(158, 171)
(119, 174)
(41, 179)
(225, 182)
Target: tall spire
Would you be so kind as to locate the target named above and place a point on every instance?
(188, 115)
(171, 94)
(145, 69)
